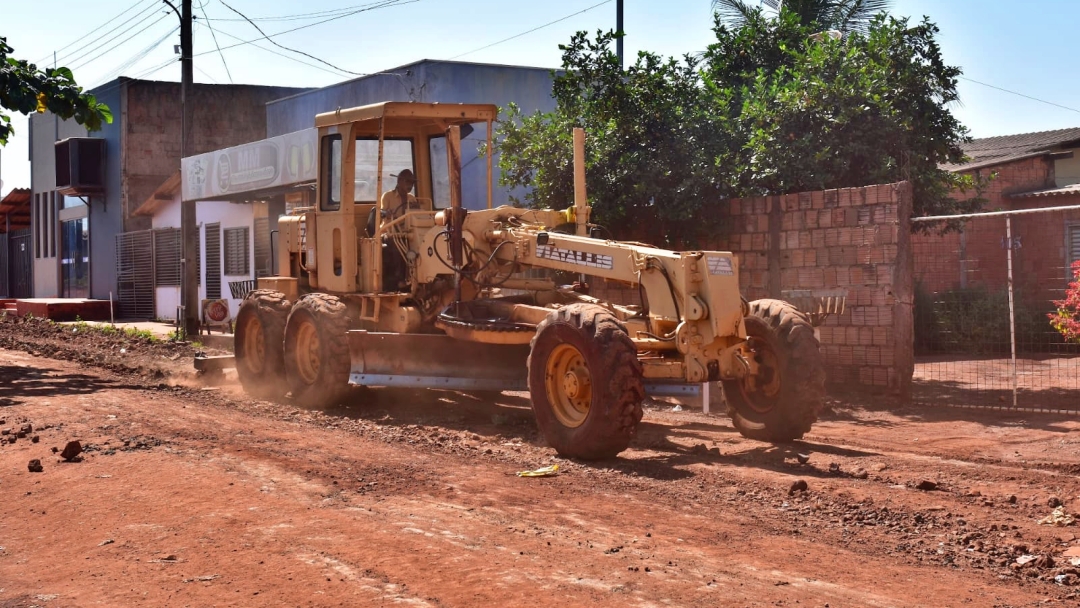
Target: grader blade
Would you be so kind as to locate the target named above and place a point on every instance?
(435, 361)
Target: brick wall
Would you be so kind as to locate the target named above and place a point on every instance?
(854, 242)
(223, 116)
(976, 257)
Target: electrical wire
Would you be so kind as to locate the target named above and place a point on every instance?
(119, 44)
(1056, 105)
(539, 27)
(277, 44)
(216, 45)
(135, 58)
(92, 32)
(384, 4)
(280, 54)
(124, 28)
(303, 16)
(203, 72)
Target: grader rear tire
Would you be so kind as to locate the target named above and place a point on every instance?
(260, 333)
(585, 382)
(317, 350)
(784, 401)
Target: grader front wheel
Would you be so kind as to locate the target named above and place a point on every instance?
(782, 401)
(585, 382)
(260, 331)
(317, 350)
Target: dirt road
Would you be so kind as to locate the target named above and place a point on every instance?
(192, 497)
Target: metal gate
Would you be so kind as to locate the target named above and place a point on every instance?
(5, 262)
(135, 274)
(985, 285)
(20, 264)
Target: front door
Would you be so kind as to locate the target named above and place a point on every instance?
(75, 258)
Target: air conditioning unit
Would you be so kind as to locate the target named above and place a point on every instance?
(80, 166)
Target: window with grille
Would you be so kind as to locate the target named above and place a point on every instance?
(237, 251)
(167, 245)
(213, 261)
(264, 264)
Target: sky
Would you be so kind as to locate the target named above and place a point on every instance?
(1021, 47)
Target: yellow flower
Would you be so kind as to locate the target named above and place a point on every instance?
(41, 103)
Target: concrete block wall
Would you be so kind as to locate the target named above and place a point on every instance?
(854, 242)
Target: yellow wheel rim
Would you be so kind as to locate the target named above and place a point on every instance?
(308, 353)
(254, 345)
(569, 385)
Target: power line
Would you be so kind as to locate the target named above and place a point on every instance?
(275, 43)
(136, 58)
(218, 46)
(280, 54)
(539, 27)
(91, 32)
(121, 43)
(384, 4)
(303, 16)
(1057, 105)
(201, 71)
(146, 14)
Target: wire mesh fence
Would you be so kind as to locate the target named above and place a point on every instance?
(984, 291)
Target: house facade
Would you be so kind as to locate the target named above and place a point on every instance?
(1025, 172)
(75, 237)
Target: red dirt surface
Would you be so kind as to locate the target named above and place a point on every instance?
(189, 496)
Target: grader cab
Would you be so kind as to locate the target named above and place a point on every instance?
(447, 293)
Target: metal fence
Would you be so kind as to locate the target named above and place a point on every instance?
(985, 285)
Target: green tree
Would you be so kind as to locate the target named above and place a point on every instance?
(842, 15)
(769, 108)
(24, 89)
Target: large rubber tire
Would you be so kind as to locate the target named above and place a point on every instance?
(260, 334)
(785, 400)
(317, 351)
(595, 347)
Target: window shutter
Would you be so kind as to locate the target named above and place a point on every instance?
(167, 257)
(213, 261)
(237, 251)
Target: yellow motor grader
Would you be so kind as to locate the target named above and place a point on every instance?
(442, 294)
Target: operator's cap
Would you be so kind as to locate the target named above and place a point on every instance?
(405, 174)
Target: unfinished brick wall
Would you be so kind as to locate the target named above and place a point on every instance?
(223, 116)
(854, 242)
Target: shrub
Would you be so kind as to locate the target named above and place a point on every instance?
(1066, 319)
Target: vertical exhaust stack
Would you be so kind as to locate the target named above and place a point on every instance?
(457, 212)
(581, 203)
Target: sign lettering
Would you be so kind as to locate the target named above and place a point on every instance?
(577, 258)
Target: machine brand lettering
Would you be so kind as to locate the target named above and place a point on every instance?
(720, 266)
(577, 258)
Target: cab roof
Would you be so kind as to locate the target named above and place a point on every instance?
(409, 116)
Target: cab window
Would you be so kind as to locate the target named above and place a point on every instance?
(331, 173)
(397, 155)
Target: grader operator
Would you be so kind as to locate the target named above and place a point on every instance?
(439, 295)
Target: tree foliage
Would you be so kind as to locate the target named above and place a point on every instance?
(769, 108)
(842, 15)
(24, 89)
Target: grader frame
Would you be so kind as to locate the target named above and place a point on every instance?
(421, 300)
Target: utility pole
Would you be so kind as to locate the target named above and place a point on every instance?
(189, 229)
(189, 232)
(618, 28)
